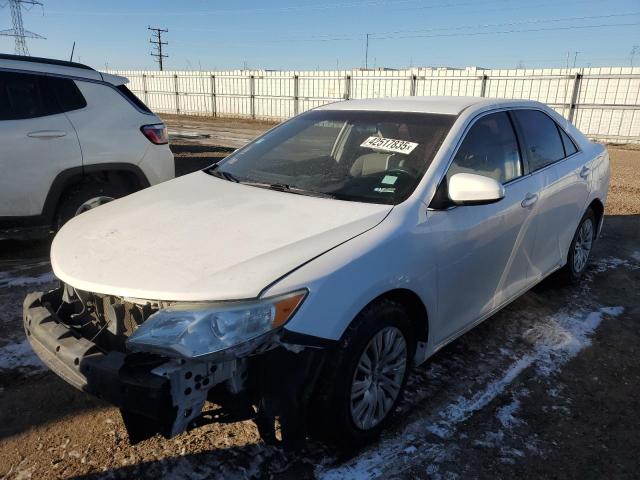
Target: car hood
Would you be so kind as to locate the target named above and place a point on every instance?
(201, 238)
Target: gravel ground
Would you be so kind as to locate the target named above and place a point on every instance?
(546, 388)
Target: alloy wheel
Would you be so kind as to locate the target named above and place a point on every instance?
(93, 203)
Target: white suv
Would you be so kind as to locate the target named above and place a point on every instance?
(71, 135)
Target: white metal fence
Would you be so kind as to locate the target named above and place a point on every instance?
(602, 102)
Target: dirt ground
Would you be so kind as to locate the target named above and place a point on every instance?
(547, 388)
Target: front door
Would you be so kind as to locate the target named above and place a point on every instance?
(484, 251)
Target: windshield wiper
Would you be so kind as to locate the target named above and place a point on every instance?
(280, 187)
(283, 187)
(213, 170)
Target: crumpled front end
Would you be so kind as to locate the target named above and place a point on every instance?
(82, 337)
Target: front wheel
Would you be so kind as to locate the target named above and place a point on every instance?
(580, 249)
(365, 379)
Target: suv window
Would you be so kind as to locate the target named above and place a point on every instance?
(67, 93)
(24, 96)
(543, 142)
(569, 147)
(489, 149)
(133, 99)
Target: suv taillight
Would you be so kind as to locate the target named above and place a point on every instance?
(156, 133)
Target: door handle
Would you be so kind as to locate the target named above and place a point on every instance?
(529, 200)
(584, 173)
(47, 134)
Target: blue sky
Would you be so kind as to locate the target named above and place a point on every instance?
(308, 34)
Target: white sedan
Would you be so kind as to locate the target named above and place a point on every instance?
(311, 269)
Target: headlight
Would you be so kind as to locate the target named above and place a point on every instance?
(199, 330)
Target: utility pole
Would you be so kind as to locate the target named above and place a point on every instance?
(366, 53)
(575, 58)
(18, 31)
(634, 50)
(156, 41)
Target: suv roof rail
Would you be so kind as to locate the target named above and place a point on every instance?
(47, 61)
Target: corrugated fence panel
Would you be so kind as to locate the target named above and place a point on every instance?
(319, 88)
(603, 102)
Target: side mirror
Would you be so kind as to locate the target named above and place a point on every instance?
(472, 189)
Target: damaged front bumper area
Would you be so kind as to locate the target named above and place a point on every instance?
(155, 394)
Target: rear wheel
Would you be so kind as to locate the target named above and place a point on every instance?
(580, 249)
(365, 379)
(85, 196)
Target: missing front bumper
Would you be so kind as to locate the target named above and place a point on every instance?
(155, 394)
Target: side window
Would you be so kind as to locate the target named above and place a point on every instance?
(541, 137)
(132, 97)
(67, 93)
(489, 149)
(24, 96)
(569, 147)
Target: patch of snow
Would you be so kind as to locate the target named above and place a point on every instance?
(490, 439)
(463, 408)
(505, 414)
(563, 335)
(18, 356)
(22, 281)
(608, 263)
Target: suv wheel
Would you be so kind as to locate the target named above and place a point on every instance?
(367, 375)
(85, 196)
(580, 249)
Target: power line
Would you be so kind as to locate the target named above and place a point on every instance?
(382, 35)
(18, 31)
(504, 32)
(156, 41)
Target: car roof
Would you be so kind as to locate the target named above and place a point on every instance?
(56, 67)
(440, 104)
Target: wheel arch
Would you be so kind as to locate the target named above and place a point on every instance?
(416, 310)
(597, 207)
(130, 175)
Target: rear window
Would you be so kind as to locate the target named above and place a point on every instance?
(67, 93)
(133, 99)
(569, 147)
(24, 96)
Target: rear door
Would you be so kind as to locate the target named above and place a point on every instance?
(38, 142)
(564, 191)
(484, 250)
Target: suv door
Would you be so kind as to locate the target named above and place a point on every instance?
(564, 193)
(38, 142)
(484, 250)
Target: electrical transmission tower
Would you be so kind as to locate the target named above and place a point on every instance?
(156, 41)
(18, 31)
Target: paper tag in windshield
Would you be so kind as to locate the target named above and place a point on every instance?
(389, 145)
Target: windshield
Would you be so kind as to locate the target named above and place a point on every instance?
(363, 156)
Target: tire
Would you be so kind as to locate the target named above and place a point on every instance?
(580, 249)
(339, 421)
(84, 196)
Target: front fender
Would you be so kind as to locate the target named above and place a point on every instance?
(344, 280)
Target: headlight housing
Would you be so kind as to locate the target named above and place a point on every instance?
(205, 329)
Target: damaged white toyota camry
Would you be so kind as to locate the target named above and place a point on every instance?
(299, 280)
